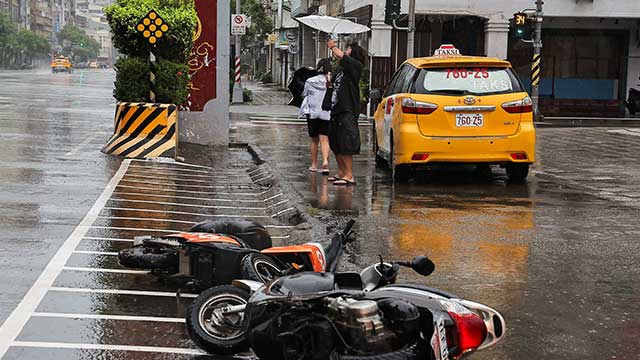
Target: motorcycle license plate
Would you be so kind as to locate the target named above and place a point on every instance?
(469, 120)
(439, 340)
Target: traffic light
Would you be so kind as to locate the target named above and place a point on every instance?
(522, 26)
(391, 11)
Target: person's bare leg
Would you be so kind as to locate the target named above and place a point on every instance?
(339, 174)
(347, 169)
(314, 152)
(324, 149)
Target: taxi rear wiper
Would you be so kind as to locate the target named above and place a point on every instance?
(450, 91)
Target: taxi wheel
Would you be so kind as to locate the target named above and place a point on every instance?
(517, 172)
(380, 161)
(399, 172)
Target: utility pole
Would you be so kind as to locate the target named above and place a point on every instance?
(535, 64)
(411, 28)
(237, 85)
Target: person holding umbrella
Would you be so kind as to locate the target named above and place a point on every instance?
(344, 134)
(313, 94)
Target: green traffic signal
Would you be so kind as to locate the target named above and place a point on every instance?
(522, 25)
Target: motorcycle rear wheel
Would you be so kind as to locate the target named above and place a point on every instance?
(215, 335)
(415, 351)
(143, 257)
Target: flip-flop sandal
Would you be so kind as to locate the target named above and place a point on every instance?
(325, 171)
(344, 182)
(333, 178)
(313, 169)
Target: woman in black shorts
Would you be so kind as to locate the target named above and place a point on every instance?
(317, 119)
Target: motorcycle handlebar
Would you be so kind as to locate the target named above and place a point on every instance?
(348, 227)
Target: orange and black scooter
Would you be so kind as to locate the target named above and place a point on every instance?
(218, 252)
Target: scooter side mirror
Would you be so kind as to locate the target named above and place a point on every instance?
(423, 265)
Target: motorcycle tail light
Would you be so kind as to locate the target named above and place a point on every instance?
(519, 106)
(410, 106)
(468, 332)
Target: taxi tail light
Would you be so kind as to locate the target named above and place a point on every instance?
(519, 106)
(420, 156)
(519, 156)
(410, 106)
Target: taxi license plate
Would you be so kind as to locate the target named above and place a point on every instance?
(469, 120)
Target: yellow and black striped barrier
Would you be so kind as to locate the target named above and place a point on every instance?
(143, 130)
(535, 70)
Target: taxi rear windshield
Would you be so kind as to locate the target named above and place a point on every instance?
(466, 80)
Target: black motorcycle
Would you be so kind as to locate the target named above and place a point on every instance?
(333, 315)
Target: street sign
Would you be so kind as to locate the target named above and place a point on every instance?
(152, 27)
(272, 38)
(237, 30)
(238, 24)
(293, 48)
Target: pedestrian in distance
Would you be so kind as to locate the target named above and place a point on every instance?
(315, 89)
(344, 135)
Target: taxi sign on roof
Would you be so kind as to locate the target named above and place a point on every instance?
(446, 50)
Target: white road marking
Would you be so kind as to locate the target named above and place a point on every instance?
(282, 212)
(189, 205)
(169, 173)
(184, 213)
(20, 315)
(187, 197)
(82, 144)
(276, 204)
(133, 229)
(115, 271)
(632, 132)
(147, 219)
(86, 252)
(214, 193)
(153, 349)
(176, 179)
(107, 239)
(169, 161)
(281, 237)
(244, 186)
(122, 292)
(109, 317)
(268, 177)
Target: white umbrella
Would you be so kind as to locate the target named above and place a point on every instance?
(332, 25)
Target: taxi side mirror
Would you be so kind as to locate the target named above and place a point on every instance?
(375, 95)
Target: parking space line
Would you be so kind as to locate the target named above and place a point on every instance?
(282, 212)
(184, 213)
(81, 145)
(116, 271)
(188, 197)
(167, 161)
(176, 179)
(109, 317)
(214, 193)
(107, 239)
(14, 324)
(276, 204)
(122, 292)
(189, 205)
(133, 229)
(147, 219)
(263, 178)
(241, 186)
(152, 349)
(105, 253)
(207, 176)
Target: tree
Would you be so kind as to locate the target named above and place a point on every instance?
(77, 42)
(18, 47)
(261, 24)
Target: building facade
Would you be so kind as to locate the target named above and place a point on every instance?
(590, 55)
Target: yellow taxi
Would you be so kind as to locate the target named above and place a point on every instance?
(450, 108)
(61, 63)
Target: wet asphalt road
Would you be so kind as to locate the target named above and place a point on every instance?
(558, 256)
(51, 170)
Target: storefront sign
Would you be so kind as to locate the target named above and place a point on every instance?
(202, 63)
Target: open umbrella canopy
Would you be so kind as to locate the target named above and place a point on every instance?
(332, 25)
(296, 85)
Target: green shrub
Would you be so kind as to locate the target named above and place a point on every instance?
(267, 78)
(132, 81)
(247, 95)
(175, 45)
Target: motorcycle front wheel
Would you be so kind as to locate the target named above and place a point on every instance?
(212, 331)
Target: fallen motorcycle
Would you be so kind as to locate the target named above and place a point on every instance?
(216, 252)
(337, 315)
(633, 101)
